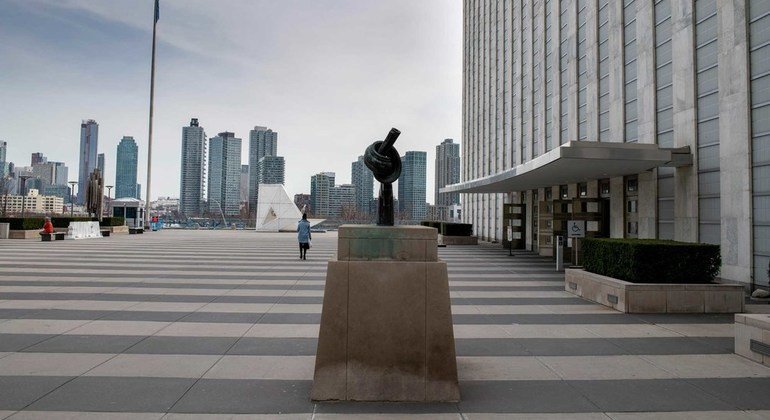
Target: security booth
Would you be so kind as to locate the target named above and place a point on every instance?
(129, 208)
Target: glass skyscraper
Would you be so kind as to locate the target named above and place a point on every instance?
(447, 172)
(262, 142)
(411, 185)
(363, 179)
(193, 177)
(225, 174)
(89, 146)
(126, 167)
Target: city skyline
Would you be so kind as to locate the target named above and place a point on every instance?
(320, 108)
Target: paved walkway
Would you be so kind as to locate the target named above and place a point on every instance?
(166, 324)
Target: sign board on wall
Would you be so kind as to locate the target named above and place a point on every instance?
(576, 229)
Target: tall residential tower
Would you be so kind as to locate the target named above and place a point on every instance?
(447, 172)
(193, 177)
(126, 167)
(412, 184)
(225, 174)
(363, 179)
(262, 142)
(89, 146)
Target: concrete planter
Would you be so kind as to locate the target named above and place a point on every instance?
(752, 337)
(118, 230)
(24, 234)
(653, 298)
(458, 240)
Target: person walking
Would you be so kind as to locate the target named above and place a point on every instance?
(303, 236)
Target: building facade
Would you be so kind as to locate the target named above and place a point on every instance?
(3, 158)
(192, 190)
(412, 185)
(262, 142)
(447, 172)
(89, 146)
(342, 202)
(32, 203)
(363, 179)
(244, 184)
(271, 170)
(321, 185)
(126, 167)
(224, 174)
(551, 88)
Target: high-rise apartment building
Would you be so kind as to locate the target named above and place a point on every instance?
(38, 158)
(262, 142)
(271, 170)
(126, 167)
(244, 184)
(89, 146)
(342, 200)
(194, 163)
(412, 185)
(303, 201)
(363, 179)
(225, 174)
(321, 185)
(100, 163)
(447, 172)
(600, 101)
(3, 159)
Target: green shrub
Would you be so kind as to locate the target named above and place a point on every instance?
(27, 223)
(112, 221)
(651, 260)
(456, 229)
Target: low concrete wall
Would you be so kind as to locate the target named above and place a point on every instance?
(458, 240)
(752, 337)
(118, 230)
(24, 234)
(653, 298)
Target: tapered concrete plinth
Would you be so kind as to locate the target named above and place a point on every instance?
(386, 326)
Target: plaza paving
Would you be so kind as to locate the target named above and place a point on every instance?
(185, 324)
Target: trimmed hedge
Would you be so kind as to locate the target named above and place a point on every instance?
(35, 223)
(112, 221)
(651, 260)
(450, 229)
(27, 223)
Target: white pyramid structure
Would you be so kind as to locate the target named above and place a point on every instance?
(276, 211)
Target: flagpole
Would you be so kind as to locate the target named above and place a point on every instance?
(148, 188)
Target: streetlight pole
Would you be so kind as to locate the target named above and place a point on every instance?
(23, 179)
(109, 198)
(221, 212)
(72, 198)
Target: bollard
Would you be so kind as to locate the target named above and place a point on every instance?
(559, 253)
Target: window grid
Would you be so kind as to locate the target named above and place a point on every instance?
(525, 69)
(549, 68)
(536, 63)
(630, 70)
(759, 55)
(564, 68)
(707, 94)
(582, 47)
(604, 71)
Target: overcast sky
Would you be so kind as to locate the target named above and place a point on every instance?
(330, 76)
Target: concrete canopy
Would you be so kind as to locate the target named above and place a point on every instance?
(276, 212)
(576, 162)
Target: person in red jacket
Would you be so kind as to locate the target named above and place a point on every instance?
(48, 226)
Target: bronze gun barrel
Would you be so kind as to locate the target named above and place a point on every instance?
(389, 141)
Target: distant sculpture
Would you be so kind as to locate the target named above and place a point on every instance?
(95, 193)
(385, 163)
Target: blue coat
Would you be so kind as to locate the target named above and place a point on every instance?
(303, 229)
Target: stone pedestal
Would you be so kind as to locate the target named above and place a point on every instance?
(386, 326)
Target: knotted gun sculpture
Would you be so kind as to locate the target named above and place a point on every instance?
(385, 163)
